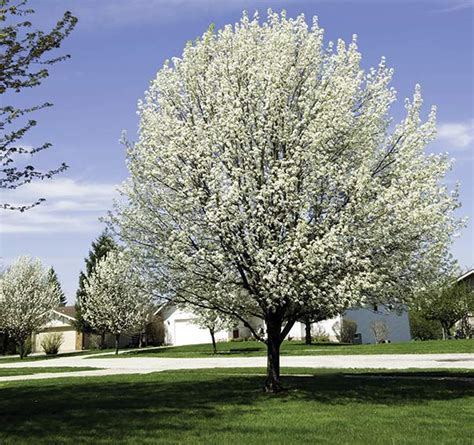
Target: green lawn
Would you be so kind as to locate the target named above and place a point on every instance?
(229, 407)
(13, 359)
(4, 372)
(254, 348)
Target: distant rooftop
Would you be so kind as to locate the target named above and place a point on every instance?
(69, 311)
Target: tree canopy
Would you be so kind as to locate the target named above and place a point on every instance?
(27, 297)
(117, 301)
(104, 244)
(24, 64)
(268, 179)
(53, 278)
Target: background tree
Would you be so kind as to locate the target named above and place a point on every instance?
(447, 303)
(27, 297)
(54, 280)
(214, 321)
(315, 316)
(423, 329)
(24, 64)
(267, 170)
(99, 249)
(116, 299)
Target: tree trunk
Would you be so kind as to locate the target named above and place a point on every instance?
(214, 346)
(307, 327)
(445, 331)
(21, 347)
(102, 340)
(272, 384)
(117, 340)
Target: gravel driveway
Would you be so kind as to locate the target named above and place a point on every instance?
(145, 365)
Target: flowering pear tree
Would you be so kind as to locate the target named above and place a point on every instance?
(268, 181)
(117, 301)
(27, 297)
(214, 321)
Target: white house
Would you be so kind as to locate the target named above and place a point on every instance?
(181, 330)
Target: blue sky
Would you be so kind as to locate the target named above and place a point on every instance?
(119, 45)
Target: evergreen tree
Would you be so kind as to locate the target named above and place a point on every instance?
(100, 247)
(54, 280)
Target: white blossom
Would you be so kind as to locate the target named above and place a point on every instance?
(268, 180)
(27, 298)
(117, 300)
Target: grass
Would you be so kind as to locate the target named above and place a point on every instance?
(33, 358)
(4, 372)
(227, 406)
(254, 348)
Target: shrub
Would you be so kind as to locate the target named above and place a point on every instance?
(155, 331)
(52, 342)
(345, 331)
(423, 329)
(319, 335)
(380, 331)
(465, 328)
(94, 342)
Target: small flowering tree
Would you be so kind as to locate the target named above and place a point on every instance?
(214, 321)
(27, 297)
(116, 299)
(268, 182)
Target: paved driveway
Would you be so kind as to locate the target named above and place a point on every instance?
(145, 365)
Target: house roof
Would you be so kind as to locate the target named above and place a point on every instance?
(67, 311)
(161, 307)
(465, 275)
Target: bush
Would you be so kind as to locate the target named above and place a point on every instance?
(319, 335)
(423, 329)
(52, 342)
(345, 331)
(155, 331)
(380, 331)
(94, 342)
(465, 329)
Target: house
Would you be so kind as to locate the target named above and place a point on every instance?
(468, 278)
(62, 321)
(180, 328)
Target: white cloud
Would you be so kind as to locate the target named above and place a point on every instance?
(118, 13)
(456, 134)
(70, 206)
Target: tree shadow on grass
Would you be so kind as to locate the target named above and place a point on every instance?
(88, 410)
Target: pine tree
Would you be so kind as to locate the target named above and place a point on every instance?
(100, 247)
(54, 280)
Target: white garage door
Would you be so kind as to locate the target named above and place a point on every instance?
(187, 333)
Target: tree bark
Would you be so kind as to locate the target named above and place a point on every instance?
(21, 347)
(445, 331)
(214, 346)
(307, 327)
(102, 340)
(117, 340)
(272, 384)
